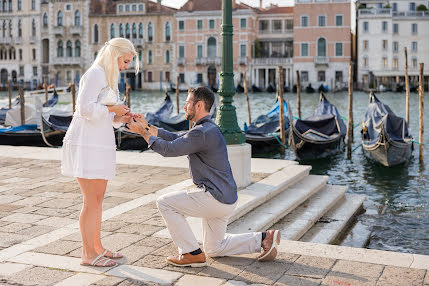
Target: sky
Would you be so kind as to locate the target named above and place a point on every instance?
(255, 3)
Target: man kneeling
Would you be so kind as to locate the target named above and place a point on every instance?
(214, 196)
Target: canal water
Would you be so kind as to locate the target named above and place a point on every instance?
(397, 204)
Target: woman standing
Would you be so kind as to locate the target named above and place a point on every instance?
(89, 150)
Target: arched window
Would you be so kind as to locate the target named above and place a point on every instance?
(4, 5)
(149, 60)
(121, 30)
(211, 47)
(12, 54)
(19, 29)
(167, 31)
(134, 30)
(95, 33)
(45, 19)
(19, 5)
(33, 28)
(4, 29)
(127, 31)
(141, 30)
(167, 56)
(10, 28)
(321, 47)
(149, 32)
(60, 51)
(60, 17)
(77, 18)
(140, 55)
(112, 30)
(69, 49)
(77, 48)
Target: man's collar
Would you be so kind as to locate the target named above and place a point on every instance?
(201, 119)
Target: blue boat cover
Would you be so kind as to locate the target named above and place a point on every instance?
(162, 113)
(53, 100)
(18, 128)
(269, 122)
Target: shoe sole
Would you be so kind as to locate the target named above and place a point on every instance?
(188, 265)
(276, 242)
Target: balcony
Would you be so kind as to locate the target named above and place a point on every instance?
(18, 40)
(6, 40)
(387, 12)
(272, 61)
(67, 61)
(33, 39)
(58, 30)
(213, 60)
(321, 61)
(419, 14)
(45, 29)
(137, 41)
(181, 61)
(200, 61)
(76, 30)
(242, 60)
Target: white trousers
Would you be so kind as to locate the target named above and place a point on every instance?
(196, 202)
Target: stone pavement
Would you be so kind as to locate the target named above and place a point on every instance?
(40, 239)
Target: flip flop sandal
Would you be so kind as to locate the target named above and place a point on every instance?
(100, 259)
(115, 255)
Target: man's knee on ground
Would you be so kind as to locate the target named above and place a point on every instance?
(160, 203)
(213, 250)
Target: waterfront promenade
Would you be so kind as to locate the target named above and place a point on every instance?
(40, 239)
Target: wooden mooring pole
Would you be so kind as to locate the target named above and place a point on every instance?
(9, 92)
(177, 94)
(128, 94)
(407, 90)
(247, 97)
(282, 110)
(46, 92)
(421, 111)
(350, 119)
(298, 94)
(22, 104)
(73, 95)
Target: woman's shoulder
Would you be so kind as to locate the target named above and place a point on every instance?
(94, 71)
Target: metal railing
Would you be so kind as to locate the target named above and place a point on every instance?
(321, 60)
(6, 40)
(58, 30)
(137, 41)
(76, 30)
(272, 61)
(67, 61)
(33, 39)
(375, 12)
(181, 61)
(18, 40)
(242, 60)
(200, 61)
(213, 60)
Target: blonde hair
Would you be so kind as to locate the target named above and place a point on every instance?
(108, 56)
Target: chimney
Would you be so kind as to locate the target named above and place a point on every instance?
(103, 7)
(260, 4)
(191, 5)
(158, 5)
(234, 5)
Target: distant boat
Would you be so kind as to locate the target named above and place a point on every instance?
(319, 135)
(385, 136)
(263, 133)
(181, 88)
(323, 88)
(309, 89)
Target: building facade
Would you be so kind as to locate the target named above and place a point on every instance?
(385, 28)
(322, 42)
(149, 25)
(19, 42)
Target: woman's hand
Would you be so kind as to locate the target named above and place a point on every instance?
(141, 119)
(119, 109)
(123, 119)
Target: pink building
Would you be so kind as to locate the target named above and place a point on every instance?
(322, 42)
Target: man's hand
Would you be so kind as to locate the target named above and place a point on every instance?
(123, 119)
(119, 109)
(135, 127)
(141, 119)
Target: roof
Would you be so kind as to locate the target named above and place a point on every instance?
(208, 5)
(277, 10)
(96, 7)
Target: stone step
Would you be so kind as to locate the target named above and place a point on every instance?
(299, 221)
(254, 195)
(331, 225)
(358, 236)
(267, 214)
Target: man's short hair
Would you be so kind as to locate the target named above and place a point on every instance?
(203, 94)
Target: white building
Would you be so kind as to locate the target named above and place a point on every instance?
(19, 42)
(385, 28)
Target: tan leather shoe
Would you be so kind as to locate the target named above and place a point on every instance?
(188, 259)
(269, 246)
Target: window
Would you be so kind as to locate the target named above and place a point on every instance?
(321, 76)
(338, 49)
(181, 25)
(167, 31)
(33, 28)
(277, 25)
(77, 18)
(19, 5)
(149, 76)
(395, 7)
(304, 50)
(339, 20)
(141, 31)
(21, 71)
(365, 62)
(182, 77)
(181, 51)
(68, 7)
(95, 33)
(34, 54)
(134, 31)
(19, 29)
(211, 24)
(414, 46)
(150, 31)
(339, 76)
(127, 31)
(243, 23)
(121, 30)
(167, 76)
(365, 45)
(395, 28)
(60, 17)
(263, 25)
(33, 4)
(304, 76)
(127, 8)
(384, 26)
(321, 47)
(211, 47)
(77, 48)
(384, 62)
(412, 6)
(141, 7)
(243, 51)
(414, 61)
(321, 21)
(112, 30)
(95, 55)
(384, 44)
(199, 78)
(134, 8)
(414, 28)
(68, 75)
(149, 57)
(304, 21)
(199, 24)
(395, 63)
(395, 46)
(379, 5)
(35, 71)
(60, 51)
(199, 51)
(121, 8)
(365, 26)
(289, 24)
(20, 54)
(69, 49)
(167, 56)
(45, 19)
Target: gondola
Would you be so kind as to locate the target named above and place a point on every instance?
(309, 89)
(256, 89)
(263, 133)
(385, 136)
(322, 88)
(173, 88)
(319, 135)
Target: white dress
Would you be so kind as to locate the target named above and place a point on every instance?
(89, 149)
